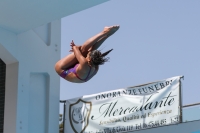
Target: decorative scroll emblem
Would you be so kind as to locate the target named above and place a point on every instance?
(79, 113)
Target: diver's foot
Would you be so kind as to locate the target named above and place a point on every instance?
(111, 30)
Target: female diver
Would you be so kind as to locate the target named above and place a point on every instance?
(83, 63)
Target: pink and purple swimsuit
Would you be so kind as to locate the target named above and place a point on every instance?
(73, 70)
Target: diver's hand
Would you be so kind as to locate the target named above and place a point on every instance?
(73, 45)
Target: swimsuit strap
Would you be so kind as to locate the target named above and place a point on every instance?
(92, 74)
(79, 77)
(88, 74)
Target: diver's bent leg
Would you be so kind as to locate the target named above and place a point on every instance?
(65, 63)
(93, 40)
(98, 43)
(90, 42)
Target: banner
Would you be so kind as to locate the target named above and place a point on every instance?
(127, 109)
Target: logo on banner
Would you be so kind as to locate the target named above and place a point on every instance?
(79, 113)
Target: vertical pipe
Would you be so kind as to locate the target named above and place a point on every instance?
(64, 117)
(180, 99)
(63, 101)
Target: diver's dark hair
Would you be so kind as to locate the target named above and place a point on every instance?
(98, 58)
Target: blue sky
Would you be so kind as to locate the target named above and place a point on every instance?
(156, 40)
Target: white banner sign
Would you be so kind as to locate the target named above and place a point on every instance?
(123, 110)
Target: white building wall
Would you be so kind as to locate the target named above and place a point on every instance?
(32, 85)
